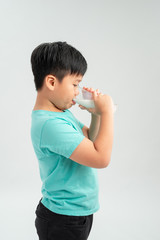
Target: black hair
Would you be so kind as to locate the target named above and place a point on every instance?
(58, 59)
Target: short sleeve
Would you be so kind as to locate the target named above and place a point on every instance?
(60, 137)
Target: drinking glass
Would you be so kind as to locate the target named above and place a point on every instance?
(85, 99)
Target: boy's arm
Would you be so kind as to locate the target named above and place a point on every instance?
(92, 132)
(97, 154)
(94, 127)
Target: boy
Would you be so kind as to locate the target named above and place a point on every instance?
(68, 152)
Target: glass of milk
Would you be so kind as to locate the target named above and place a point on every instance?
(85, 99)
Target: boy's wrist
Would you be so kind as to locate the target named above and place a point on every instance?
(94, 115)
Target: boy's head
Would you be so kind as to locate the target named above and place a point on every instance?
(58, 59)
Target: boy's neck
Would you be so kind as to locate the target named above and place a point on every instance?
(43, 103)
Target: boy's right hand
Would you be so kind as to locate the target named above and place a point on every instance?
(103, 103)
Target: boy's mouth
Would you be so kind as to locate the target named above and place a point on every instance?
(73, 102)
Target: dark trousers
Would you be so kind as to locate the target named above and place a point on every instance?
(52, 226)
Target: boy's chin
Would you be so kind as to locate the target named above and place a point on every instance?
(68, 106)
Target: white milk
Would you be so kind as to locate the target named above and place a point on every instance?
(90, 103)
(85, 102)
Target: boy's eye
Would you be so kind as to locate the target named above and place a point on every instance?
(75, 85)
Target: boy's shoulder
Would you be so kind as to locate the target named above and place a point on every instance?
(47, 121)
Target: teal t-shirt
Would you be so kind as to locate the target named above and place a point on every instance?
(68, 188)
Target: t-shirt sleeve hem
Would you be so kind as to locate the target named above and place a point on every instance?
(75, 145)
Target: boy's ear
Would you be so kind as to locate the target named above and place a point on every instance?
(50, 81)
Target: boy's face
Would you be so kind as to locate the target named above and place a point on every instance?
(65, 91)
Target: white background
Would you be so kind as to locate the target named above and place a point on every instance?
(121, 41)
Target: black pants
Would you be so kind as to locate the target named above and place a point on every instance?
(52, 226)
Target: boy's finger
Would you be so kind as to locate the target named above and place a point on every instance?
(89, 89)
(95, 94)
(82, 107)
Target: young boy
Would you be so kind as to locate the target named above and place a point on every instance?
(68, 152)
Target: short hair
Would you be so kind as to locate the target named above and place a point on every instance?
(58, 59)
